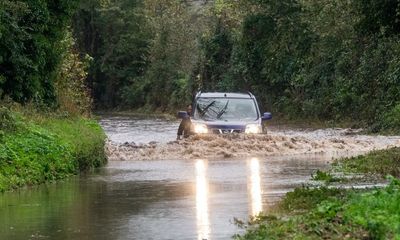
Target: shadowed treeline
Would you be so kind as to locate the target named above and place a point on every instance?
(326, 60)
(313, 59)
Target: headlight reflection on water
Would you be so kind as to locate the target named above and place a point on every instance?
(203, 222)
(202, 194)
(255, 187)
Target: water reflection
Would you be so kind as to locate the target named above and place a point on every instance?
(203, 222)
(255, 187)
(138, 200)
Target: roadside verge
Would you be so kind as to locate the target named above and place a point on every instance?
(40, 149)
(327, 212)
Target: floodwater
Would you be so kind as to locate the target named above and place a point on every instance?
(168, 198)
(122, 129)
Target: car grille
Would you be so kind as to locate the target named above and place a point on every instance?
(226, 131)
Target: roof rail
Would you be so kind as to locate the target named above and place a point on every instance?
(198, 94)
(250, 94)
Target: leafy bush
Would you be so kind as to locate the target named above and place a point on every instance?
(377, 211)
(72, 93)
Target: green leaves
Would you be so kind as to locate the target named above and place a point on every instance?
(117, 35)
(377, 211)
(305, 59)
(31, 32)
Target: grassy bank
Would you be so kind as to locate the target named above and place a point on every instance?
(381, 162)
(37, 148)
(330, 213)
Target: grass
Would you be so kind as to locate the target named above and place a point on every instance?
(37, 149)
(305, 198)
(331, 213)
(324, 176)
(381, 162)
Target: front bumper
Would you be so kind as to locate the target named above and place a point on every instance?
(201, 128)
(225, 131)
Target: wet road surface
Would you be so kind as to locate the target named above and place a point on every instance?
(154, 199)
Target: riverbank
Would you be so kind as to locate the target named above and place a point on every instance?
(335, 213)
(38, 148)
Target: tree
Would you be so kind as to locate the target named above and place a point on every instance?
(115, 34)
(30, 50)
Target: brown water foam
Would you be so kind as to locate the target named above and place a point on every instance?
(238, 145)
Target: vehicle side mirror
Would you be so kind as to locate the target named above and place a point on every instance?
(182, 114)
(266, 116)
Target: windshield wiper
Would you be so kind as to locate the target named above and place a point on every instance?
(219, 115)
(204, 110)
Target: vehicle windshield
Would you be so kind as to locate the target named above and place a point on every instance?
(212, 109)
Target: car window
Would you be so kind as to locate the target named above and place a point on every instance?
(212, 109)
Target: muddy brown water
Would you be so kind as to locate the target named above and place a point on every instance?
(171, 198)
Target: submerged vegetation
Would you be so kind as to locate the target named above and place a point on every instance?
(327, 212)
(324, 176)
(380, 162)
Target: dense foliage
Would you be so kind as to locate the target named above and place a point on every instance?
(331, 60)
(142, 51)
(31, 32)
(302, 58)
(45, 135)
(113, 33)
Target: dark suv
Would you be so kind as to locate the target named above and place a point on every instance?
(216, 112)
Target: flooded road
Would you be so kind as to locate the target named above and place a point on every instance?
(121, 129)
(176, 197)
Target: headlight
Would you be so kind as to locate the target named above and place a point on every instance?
(253, 128)
(200, 128)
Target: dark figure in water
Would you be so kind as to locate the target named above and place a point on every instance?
(186, 125)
